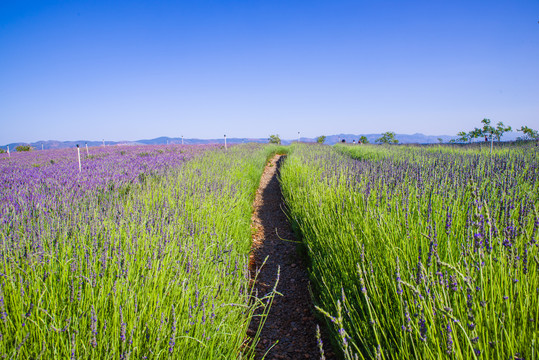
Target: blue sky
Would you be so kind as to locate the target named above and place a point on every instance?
(126, 70)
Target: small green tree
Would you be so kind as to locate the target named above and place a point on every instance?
(440, 140)
(500, 130)
(487, 128)
(387, 138)
(474, 134)
(275, 139)
(529, 133)
(364, 139)
(23, 148)
(321, 139)
(462, 137)
(2, 151)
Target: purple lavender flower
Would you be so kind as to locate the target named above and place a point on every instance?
(448, 222)
(422, 327)
(449, 342)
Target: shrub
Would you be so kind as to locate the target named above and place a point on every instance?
(23, 148)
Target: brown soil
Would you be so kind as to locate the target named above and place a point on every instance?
(290, 328)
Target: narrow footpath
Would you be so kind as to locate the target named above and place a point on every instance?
(290, 328)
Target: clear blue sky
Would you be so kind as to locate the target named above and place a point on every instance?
(126, 70)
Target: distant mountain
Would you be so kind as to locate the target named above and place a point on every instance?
(330, 140)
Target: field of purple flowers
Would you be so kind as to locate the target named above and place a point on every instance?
(141, 254)
(421, 252)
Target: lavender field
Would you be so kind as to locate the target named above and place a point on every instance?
(142, 254)
(421, 252)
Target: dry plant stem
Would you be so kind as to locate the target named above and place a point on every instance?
(289, 331)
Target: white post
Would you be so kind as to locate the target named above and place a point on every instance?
(225, 142)
(8, 154)
(182, 139)
(78, 152)
(298, 136)
(87, 153)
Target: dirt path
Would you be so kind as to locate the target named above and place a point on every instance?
(290, 329)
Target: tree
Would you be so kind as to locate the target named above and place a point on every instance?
(275, 139)
(475, 133)
(529, 133)
(487, 128)
(500, 130)
(321, 139)
(2, 151)
(364, 139)
(463, 137)
(23, 148)
(387, 138)
(440, 140)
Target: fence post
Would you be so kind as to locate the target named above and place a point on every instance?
(78, 153)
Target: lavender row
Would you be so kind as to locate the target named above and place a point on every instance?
(156, 270)
(45, 180)
(421, 252)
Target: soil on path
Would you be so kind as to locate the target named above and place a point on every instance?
(290, 328)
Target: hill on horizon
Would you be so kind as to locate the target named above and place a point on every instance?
(416, 138)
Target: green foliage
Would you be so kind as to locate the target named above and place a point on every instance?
(487, 130)
(500, 130)
(23, 148)
(462, 137)
(2, 151)
(321, 139)
(364, 139)
(529, 133)
(275, 139)
(387, 138)
(475, 134)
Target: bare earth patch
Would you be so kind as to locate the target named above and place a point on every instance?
(290, 328)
